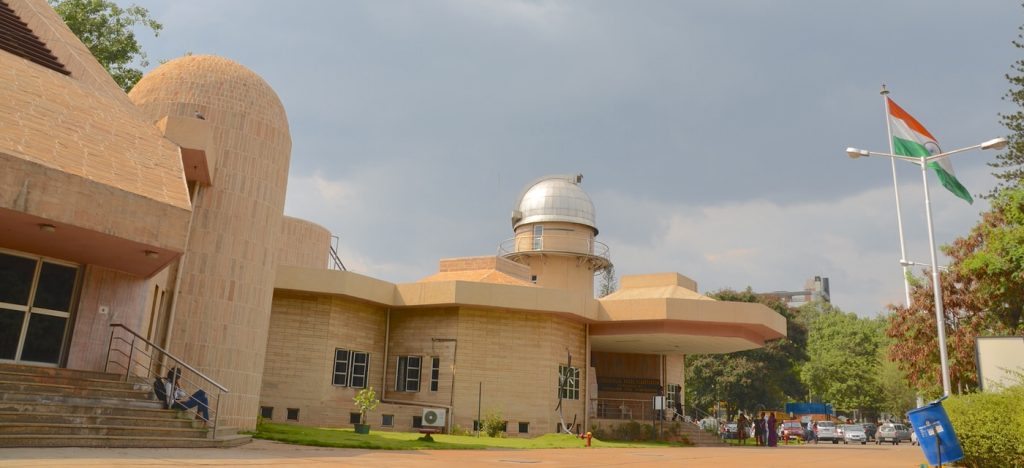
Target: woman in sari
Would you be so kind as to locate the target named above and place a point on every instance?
(773, 437)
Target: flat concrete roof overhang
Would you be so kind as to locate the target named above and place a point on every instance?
(688, 326)
(52, 213)
(436, 293)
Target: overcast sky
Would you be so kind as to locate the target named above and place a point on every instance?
(711, 135)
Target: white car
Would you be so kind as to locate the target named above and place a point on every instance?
(826, 430)
(854, 433)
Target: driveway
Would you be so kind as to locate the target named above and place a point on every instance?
(265, 453)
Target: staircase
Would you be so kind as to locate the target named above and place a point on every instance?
(699, 437)
(50, 407)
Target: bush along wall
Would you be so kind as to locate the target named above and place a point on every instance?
(990, 427)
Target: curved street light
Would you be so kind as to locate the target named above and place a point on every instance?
(995, 144)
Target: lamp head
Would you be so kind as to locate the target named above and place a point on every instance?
(995, 143)
(857, 153)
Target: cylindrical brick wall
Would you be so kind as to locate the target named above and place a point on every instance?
(223, 304)
(303, 244)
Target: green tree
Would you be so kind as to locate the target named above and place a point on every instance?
(842, 367)
(109, 32)
(993, 256)
(1010, 165)
(751, 380)
(609, 283)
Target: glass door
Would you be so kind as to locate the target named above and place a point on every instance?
(36, 298)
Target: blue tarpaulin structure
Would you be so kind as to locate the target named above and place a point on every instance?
(809, 408)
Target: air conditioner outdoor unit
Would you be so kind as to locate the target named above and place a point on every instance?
(433, 416)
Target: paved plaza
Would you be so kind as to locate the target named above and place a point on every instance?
(265, 453)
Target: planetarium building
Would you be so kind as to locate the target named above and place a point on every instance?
(145, 231)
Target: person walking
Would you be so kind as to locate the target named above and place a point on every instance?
(759, 430)
(773, 437)
(741, 428)
(679, 403)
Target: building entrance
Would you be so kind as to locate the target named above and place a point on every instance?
(36, 297)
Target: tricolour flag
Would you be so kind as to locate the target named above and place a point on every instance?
(910, 138)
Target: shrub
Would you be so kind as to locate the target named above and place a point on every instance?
(493, 424)
(461, 431)
(365, 400)
(990, 427)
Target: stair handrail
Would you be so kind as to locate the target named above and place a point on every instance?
(149, 368)
(173, 357)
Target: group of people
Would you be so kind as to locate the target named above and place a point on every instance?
(764, 426)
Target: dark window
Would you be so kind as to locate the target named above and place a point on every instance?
(524, 427)
(360, 366)
(533, 279)
(435, 372)
(341, 357)
(43, 339)
(16, 275)
(476, 426)
(407, 377)
(293, 414)
(569, 383)
(387, 420)
(417, 422)
(10, 332)
(267, 412)
(56, 285)
(354, 418)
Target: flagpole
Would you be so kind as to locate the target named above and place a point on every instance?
(896, 188)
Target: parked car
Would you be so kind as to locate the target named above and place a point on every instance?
(854, 433)
(869, 430)
(892, 432)
(792, 430)
(825, 431)
(729, 431)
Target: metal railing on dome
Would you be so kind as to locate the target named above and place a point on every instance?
(138, 357)
(553, 243)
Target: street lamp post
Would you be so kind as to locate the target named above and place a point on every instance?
(996, 144)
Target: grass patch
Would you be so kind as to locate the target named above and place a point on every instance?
(346, 438)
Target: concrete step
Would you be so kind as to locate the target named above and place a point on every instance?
(98, 430)
(77, 400)
(57, 371)
(120, 441)
(87, 410)
(94, 420)
(74, 390)
(28, 377)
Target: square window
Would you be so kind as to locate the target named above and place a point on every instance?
(524, 427)
(353, 418)
(417, 422)
(387, 420)
(267, 412)
(293, 414)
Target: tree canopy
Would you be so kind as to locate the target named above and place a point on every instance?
(109, 32)
(843, 360)
(755, 379)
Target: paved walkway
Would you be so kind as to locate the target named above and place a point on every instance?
(265, 453)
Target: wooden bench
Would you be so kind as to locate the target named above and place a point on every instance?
(427, 431)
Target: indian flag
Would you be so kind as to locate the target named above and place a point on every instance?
(910, 138)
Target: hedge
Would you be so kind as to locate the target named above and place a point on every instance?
(990, 427)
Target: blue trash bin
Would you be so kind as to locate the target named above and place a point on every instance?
(935, 433)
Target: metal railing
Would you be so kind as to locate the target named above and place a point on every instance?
(627, 409)
(335, 260)
(142, 358)
(554, 243)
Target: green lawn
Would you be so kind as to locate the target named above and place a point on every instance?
(346, 438)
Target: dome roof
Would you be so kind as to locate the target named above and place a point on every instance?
(222, 89)
(554, 198)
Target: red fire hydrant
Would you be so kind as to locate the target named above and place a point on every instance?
(589, 435)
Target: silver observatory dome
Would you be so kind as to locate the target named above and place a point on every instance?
(554, 198)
